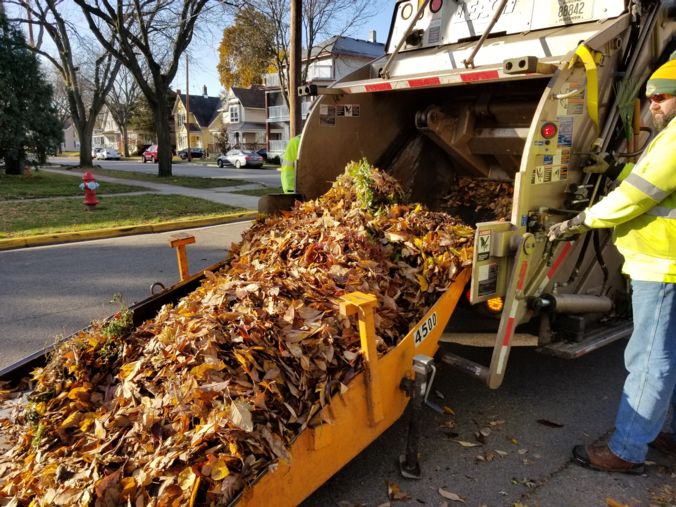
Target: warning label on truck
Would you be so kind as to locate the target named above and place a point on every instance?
(573, 105)
(488, 279)
(348, 111)
(483, 246)
(554, 168)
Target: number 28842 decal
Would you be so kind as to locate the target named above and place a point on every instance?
(425, 329)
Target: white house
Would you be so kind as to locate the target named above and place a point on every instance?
(329, 61)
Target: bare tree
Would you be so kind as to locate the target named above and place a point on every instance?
(121, 101)
(87, 72)
(149, 40)
(322, 19)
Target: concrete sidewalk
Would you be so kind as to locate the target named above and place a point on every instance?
(221, 195)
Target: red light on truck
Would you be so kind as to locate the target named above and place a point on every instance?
(435, 5)
(548, 130)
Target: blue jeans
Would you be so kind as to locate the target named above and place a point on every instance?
(650, 359)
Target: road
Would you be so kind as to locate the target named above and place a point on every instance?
(57, 290)
(526, 460)
(266, 176)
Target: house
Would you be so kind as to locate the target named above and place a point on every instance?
(107, 133)
(244, 117)
(329, 61)
(198, 116)
(71, 141)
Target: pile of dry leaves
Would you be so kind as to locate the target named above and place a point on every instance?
(483, 198)
(191, 406)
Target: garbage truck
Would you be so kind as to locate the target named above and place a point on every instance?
(546, 97)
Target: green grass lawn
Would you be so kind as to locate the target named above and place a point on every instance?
(43, 184)
(27, 218)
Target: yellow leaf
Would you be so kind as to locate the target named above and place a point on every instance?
(86, 422)
(200, 372)
(448, 410)
(233, 448)
(219, 471)
(72, 420)
(126, 370)
(186, 479)
(128, 486)
(423, 283)
(99, 431)
(79, 393)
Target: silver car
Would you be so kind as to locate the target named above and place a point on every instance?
(240, 158)
(108, 154)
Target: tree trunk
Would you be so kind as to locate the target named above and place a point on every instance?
(14, 166)
(161, 114)
(85, 136)
(125, 140)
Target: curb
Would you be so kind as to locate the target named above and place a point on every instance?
(70, 237)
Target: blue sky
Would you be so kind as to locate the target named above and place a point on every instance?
(204, 52)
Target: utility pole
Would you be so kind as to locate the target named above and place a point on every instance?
(295, 120)
(187, 105)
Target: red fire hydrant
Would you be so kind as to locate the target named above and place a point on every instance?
(89, 185)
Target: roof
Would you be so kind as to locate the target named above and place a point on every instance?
(204, 108)
(341, 45)
(193, 127)
(250, 97)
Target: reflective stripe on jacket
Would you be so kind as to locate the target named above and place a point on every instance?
(643, 211)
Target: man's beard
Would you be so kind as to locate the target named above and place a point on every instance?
(660, 121)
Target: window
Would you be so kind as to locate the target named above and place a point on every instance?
(181, 119)
(234, 114)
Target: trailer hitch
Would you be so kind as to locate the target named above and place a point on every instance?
(418, 389)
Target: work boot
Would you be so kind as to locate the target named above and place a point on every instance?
(600, 457)
(665, 442)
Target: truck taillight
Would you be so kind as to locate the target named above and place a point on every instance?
(436, 5)
(495, 305)
(548, 130)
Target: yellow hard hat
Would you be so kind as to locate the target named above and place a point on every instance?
(663, 80)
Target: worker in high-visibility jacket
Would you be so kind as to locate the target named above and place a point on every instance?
(288, 167)
(642, 210)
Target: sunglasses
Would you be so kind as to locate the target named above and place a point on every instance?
(658, 98)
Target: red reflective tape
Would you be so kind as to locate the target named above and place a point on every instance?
(508, 332)
(483, 75)
(522, 275)
(378, 87)
(559, 259)
(426, 81)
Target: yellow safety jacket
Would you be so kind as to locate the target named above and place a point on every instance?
(288, 167)
(643, 211)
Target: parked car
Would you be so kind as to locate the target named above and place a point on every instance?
(241, 158)
(194, 153)
(150, 154)
(263, 152)
(108, 154)
(95, 152)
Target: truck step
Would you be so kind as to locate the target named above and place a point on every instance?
(591, 342)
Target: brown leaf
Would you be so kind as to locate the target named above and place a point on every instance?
(450, 496)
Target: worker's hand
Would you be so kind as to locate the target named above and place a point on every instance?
(567, 229)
